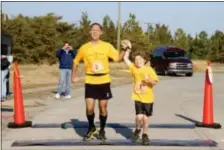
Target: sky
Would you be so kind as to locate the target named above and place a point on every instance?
(193, 17)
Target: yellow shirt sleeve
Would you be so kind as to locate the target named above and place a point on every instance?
(113, 53)
(134, 72)
(79, 56)
(153, 75)
(131, 67)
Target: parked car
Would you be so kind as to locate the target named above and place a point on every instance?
(171, 60)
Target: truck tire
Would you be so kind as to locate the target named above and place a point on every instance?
(189, 74)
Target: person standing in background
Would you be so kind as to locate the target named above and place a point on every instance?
(65, 56)
(8, 93)
(4, 71)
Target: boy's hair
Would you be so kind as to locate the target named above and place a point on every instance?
(143, 54)
(95, 23)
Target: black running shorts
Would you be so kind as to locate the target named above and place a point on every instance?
(143, 108)
(98, 91)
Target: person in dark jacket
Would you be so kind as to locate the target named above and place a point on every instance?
(65, 56)
(4, 71)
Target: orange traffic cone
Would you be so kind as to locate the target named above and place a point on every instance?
(19, 115)
(208, 120)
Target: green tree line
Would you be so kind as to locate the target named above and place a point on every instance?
(36, 39)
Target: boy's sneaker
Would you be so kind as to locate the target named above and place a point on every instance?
(136, 136)
(57, 96)
(91, 133)
(102, 135)
(68, 96)
(145, 139)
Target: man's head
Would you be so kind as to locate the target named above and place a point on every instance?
(140, 58)
(96, 31)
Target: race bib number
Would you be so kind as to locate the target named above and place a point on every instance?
(97, 67)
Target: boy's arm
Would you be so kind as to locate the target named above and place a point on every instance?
(115, 55)
(149, 81)
(152, 79)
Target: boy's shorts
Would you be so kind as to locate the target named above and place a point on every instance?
(143, 108)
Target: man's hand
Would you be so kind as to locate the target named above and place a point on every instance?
(75, 79)
(126, 44)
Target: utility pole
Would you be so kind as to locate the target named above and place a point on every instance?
(148, 33)
(118, 26)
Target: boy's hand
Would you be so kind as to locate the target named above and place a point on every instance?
(146, 77)
(149, 81)
(127, 53)
(137, 87)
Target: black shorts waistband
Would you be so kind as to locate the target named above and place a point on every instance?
(97, 74)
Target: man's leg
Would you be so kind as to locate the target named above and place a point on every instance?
(90, 104)
(68, 83)
(60, 82)
(103, 117)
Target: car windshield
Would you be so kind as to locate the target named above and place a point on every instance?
(176, 55)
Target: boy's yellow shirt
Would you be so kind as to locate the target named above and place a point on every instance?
(96, 61)
(145, 95)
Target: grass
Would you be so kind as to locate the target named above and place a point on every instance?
(44, 75)
(201, 66)
(33, 76)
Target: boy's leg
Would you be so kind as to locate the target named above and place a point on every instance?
(145, 124)
(138, 120)
(68, 83)
(139, 114)
(148, 109)
(145, 138)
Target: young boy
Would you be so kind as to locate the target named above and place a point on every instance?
(144, 80)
